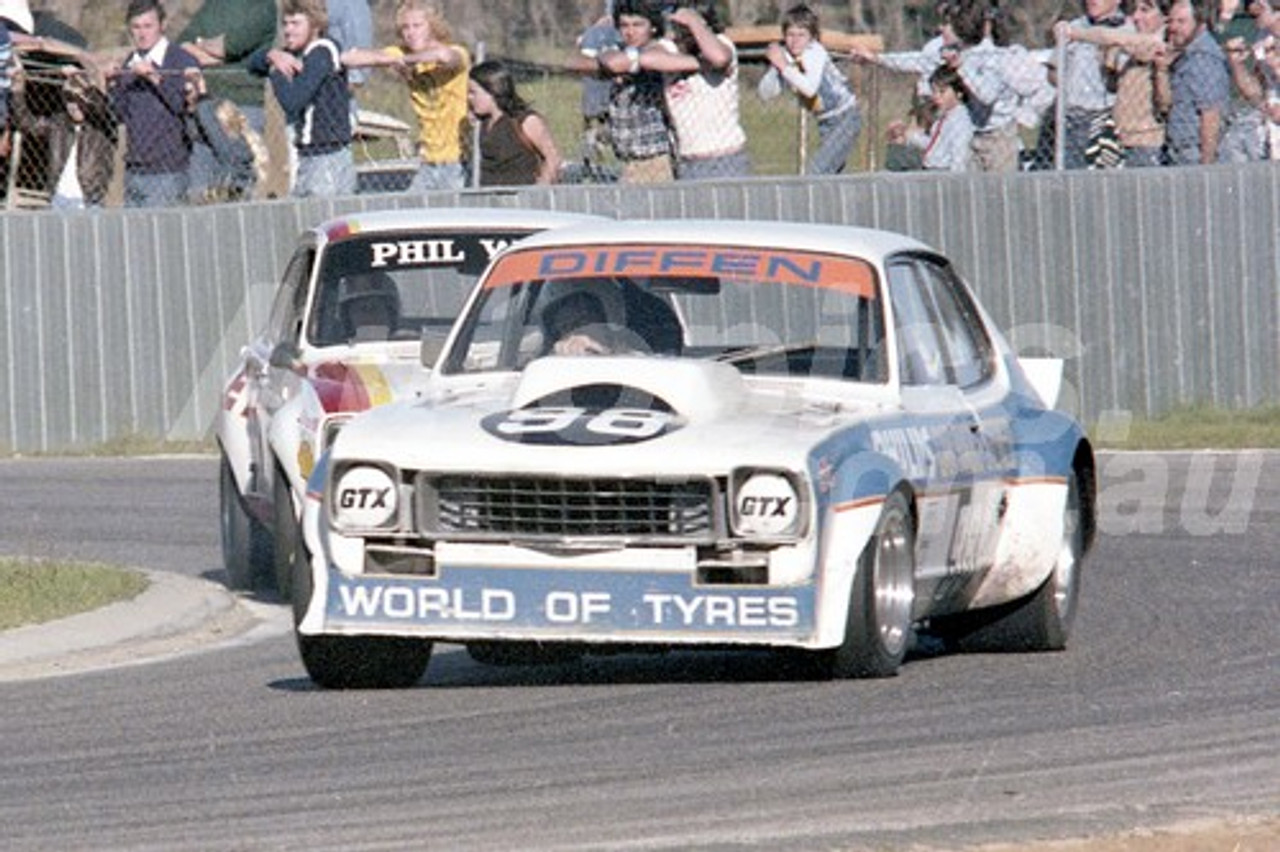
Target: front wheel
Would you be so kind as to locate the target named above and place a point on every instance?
(364, 662)
(878, 628)
(246, 543)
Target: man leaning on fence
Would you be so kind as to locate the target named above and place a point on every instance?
(148, 95)
(1086, 85)
(309, 82)
(435, 71)
(1201, 87)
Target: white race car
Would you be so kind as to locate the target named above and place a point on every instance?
(361, 300)
(678, 434)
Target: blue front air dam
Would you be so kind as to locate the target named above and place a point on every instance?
(491, 603)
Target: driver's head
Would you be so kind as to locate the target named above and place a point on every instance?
(369, 304)
(571, 313)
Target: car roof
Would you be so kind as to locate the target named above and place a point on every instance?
(868, 243)
(373, 221)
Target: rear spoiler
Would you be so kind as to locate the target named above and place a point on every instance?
(1045, 376)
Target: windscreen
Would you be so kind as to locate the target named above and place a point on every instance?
(398, 286)
(778, 312)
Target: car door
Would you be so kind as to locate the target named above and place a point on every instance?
(270, 380)
(947, 373)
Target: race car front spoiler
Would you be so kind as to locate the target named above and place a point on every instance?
(476, 603)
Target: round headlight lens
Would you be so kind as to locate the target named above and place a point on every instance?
(365, 498)
(766, 505)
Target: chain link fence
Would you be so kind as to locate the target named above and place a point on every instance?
(1121, 106)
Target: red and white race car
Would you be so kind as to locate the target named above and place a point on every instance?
(366, 300)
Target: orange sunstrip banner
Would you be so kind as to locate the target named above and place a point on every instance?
(807, 269)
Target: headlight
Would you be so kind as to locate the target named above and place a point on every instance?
(766, 504)
(365, 497)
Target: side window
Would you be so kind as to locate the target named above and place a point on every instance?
(285, 322)
(966, 348)
(920, 353)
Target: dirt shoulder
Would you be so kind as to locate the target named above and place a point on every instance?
(1245, 834)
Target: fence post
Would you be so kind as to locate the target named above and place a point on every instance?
(1060, 105)
(475, 127)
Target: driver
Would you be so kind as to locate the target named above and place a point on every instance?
(369, 306)
(576, 324)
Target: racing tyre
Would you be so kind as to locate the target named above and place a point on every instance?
(1042, 620)
(364, 662)
(246, 543)
(288, 534)
(878, 629)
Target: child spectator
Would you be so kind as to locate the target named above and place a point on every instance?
(699, 65)
(805, 67)
(148, 95)
(310, 84)
(638, 127)
(516, 146)
(946, 145)
(435, 69)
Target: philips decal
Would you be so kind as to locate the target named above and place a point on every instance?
(365, 498)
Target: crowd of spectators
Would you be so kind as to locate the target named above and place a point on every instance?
(1122, 84)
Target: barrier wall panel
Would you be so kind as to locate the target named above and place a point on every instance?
(8, 359)
(26, 397)
(59, 324)
(109, 274)
(1125, 302)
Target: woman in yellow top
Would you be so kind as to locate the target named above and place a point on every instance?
(435, 71)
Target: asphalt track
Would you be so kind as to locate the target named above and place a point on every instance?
(1166, 708)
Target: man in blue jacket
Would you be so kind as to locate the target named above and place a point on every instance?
(148, 95)
(311, 87)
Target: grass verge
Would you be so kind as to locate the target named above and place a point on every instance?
(1193, 428)
(38, 590)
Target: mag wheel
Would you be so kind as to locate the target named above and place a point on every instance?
(878, 629)
(246, 544)
(1042, 620)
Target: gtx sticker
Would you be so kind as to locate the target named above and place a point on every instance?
(572, 426)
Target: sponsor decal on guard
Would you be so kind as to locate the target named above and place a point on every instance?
(580, 427)
(807, 269)
(349, 387)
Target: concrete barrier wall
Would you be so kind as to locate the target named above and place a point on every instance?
(1160, 287)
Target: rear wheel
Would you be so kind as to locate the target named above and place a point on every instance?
(1042, 620)
(364, 662)
(246, 543)
(288, 534)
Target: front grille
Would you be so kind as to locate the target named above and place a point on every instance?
(568, 507)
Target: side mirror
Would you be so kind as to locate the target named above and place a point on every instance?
(285, 356)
